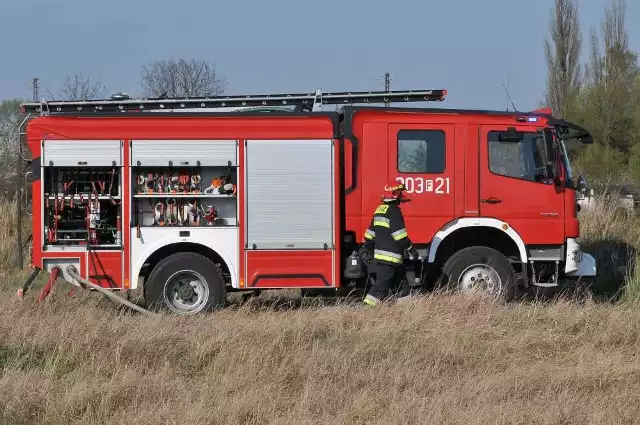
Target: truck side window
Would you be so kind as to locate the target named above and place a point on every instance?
(522, 160)
(421, 151)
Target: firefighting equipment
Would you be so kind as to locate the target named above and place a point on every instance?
(214, 187)
(211, 215)
(353, 266)
(195, 183)
(159, 214)
(171, 212)
(140, 184)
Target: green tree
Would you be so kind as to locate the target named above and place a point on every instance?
(562, 53)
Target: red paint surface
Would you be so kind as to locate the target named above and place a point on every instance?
(242, 231)
(524, 203)
(37, 230)
(105, 268)
(125, 211)
(289, 269)
(337, 217)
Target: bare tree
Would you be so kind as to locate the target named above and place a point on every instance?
(563, 57)
(181, 78)
(10, 118)
(81, 87)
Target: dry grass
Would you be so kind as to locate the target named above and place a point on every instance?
(440, 359)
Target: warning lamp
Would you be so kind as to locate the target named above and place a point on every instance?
(527, 119)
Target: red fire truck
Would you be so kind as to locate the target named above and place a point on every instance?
(194, 198)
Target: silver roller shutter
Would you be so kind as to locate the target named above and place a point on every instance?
(81, 153)
(158, 153)
(290, 194)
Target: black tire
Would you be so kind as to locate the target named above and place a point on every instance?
(490, 264)
(169, 275)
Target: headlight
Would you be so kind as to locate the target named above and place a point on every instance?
(577, 256)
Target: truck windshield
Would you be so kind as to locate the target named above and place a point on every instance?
(524, 159)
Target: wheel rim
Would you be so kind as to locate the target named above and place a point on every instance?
(186, 292)
(480, 278)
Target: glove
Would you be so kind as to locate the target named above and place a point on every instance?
(413, 254)
(366, 256)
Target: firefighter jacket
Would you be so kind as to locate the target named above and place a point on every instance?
(387, 235)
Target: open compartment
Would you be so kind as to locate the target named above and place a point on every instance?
(82, 206)
(184, 183)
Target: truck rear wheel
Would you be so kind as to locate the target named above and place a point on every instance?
(185, 283)
(479, 268)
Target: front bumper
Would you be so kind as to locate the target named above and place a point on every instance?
(586, 267)
(578, 263)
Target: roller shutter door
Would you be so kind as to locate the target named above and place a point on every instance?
(289, 196)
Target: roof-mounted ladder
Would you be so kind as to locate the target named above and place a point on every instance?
(302, 101)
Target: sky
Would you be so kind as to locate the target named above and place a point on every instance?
(469, 47)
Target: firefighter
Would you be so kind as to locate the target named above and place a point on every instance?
(386, 241)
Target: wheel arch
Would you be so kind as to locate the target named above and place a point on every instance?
(461, 227)
(154, 258)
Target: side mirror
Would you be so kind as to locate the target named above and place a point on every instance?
(581, 183)
(550, 173)
(548, 170)
(587, 140)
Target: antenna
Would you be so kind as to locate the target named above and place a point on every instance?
(506, 89)
(387, 85)
(35, 89)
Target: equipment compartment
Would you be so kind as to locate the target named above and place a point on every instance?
(185, 196)
(82, 206)
(290, 194)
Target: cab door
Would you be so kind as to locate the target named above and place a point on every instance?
(422, 157)
(516, 186)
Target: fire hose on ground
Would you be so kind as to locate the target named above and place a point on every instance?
(72, 271)
(74, 274)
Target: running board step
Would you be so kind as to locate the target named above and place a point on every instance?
(546, 284)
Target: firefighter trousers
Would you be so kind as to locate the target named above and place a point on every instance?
(384, 277)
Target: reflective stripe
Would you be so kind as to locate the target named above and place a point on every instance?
(387, 253)
(399, 234)
(370, 234)
(381, 224)
(382, 209)
(387, 256)
(372, 301)
(381, 218)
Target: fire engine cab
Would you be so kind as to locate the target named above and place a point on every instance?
(193, 198)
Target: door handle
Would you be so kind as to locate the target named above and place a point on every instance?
(491, 200)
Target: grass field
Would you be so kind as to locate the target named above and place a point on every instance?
(439, 359)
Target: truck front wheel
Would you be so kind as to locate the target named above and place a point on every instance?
(185, 283)
(479, 268)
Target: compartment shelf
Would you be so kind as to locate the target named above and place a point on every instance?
(83, 196)
(182, 195)
(175, 196)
